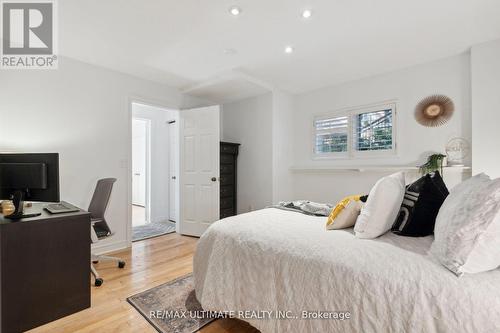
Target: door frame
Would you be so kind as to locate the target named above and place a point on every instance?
(173, 126)
(147, 194)
(127, 163)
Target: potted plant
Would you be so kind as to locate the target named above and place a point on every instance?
(434, 163)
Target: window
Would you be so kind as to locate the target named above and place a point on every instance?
(331, 135)
(373, 130)
(356, 132)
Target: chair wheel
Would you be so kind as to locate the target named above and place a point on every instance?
(121, 264)
(95, 261)
(98, 282)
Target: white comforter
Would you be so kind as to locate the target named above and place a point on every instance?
(276, 260)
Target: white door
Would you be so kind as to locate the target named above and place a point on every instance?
(139, 157)
(199, 169)
(173, 169)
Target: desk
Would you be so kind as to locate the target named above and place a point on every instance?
(44, 268)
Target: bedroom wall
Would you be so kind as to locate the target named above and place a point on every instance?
(485, 66)
(82, 112)
(449, 76)
(282, 133)
(263, 125)
(249, 122)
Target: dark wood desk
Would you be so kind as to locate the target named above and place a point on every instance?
(44, 268)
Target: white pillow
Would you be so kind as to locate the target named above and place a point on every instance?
(467, 230)
(382, 207)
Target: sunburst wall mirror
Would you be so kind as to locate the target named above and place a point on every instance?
(434, 111)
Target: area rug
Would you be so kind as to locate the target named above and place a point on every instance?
(172, 307)
(150, 230)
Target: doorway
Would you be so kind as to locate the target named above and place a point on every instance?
(154, 168)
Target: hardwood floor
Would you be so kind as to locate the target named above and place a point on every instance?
(150, 263)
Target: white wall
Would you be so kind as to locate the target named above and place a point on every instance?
(249, 122)
(159, 157)
(278, 127)
(485, 66)
(450, 77)
(82, 112)
(263, 125)
(282, 134)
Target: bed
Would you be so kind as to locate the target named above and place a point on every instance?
(277, 260)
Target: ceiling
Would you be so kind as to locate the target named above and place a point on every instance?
(185, 43)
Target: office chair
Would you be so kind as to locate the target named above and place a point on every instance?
(100, 229)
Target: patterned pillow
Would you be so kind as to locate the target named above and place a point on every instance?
(420, 206)
(467, 232)
(346, 212)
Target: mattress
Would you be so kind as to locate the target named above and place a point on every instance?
(291, 275)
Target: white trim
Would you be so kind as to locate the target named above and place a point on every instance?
(350, 112)
(179, 177)
(128, 236)
(175, 155)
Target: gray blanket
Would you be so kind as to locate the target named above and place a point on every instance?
(305, 207)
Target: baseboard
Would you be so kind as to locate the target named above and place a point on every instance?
(109, 247)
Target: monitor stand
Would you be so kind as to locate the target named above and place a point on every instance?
(19, 207)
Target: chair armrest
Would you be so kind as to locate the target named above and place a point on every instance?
(94, 221)
(93, 235)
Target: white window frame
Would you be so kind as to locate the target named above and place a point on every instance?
(350, 113)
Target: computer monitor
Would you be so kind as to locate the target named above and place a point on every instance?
(32, 177)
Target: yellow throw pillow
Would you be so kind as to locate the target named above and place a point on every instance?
(346, 212)
(6, 207)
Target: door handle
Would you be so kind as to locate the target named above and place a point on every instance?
(137, 174)
(214, 179)
(173, 177)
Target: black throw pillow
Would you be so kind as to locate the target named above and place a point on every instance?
(420, 207)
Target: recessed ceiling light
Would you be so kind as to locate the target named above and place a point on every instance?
(306, 13)
(235, 11)
(289, 49)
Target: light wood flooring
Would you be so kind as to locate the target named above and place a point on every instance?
(150, 263)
